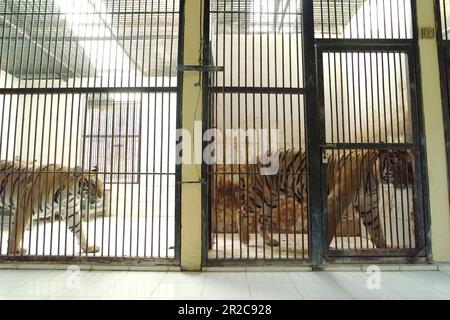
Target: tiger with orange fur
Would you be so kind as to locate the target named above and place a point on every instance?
(353, 180)
(27, 189)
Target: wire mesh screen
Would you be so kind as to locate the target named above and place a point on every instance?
(258, 109)
(88, 118)
(363, 19)
(67, 44)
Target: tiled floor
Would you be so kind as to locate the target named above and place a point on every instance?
(61, 284)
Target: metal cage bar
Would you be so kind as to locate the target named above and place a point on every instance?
(442, 18)
(253, 93)
(91, 87)
(358, 48)
(369, 105)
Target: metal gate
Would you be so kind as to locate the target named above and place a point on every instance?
(89, 100)
(257, 105)
(350, 113)
(370, 128)
(443, 36)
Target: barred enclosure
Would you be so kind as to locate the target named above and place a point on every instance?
(312, 111)
(443, 37)
(91, 87)
(261, 89)
(365, 130)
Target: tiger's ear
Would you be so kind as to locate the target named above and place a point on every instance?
(94, 169)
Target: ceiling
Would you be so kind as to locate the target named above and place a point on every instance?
(50, 43)
(242, 16)
(49, 39)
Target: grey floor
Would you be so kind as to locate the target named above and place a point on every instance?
(74, 284)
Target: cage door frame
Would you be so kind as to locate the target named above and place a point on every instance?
(417, 147)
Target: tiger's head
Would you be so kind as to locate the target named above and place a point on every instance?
(397, 167)
(90, 186)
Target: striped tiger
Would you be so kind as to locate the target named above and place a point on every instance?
(28, 190)
(353, 180)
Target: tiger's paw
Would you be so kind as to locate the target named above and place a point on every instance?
(245, 241)
(272, 243)
(18, 252)
(91, 249)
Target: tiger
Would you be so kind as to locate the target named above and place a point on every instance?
(353, 180)
(28, 189)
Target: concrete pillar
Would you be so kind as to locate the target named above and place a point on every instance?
(435, 137)
(191, 209)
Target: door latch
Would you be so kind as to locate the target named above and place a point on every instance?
(324, 156)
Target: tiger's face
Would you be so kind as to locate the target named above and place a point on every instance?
(91, 186)
(397, 167)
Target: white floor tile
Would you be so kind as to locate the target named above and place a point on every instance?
(131, 290)
(217, 278)
(287, 291)
(37, 288)
(418, 291)
(379, 296)
(73, 298)
(6, 287)
(360, 290)
(349, 278)
(87, 288)
(396, 277)
(232, 291)
(184, 277)
(188, 291)
(56, 275)
(429, 277)
(309, 277)
(103, 275)
(444, 288)
(113, 285)
(268, 278)
(22, 275)
(324, 291)
(153, 277)
(330, 298)
(11, 297)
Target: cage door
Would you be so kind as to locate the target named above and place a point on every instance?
(369, 153)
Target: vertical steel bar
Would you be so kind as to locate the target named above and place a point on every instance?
(313, 153)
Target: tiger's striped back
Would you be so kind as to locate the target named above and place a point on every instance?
(291, 179)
